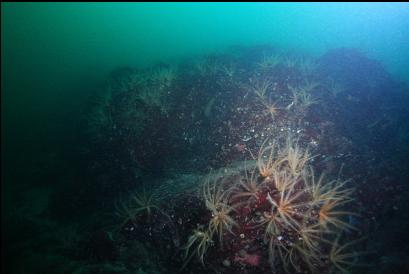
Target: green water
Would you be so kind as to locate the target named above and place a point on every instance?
(54, 56)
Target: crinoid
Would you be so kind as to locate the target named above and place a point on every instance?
(329, 198)
(321, 192)
(277, 250)
(269, 61)
(282, 252)
(293, 250)
(271, 108)
(137, 204)
(301, 99)
(305, 100)
(282, 180)
(201, 241)
(309, 236)
(329, 215)
(260, 87)
(216, 200)
(221, 221)
(229, 70)
(286, 206)
(307, 247)
(163, 77)
(291, 242)
(248, 187)
(309, 86)
(269, 158)
(294, 256)
(272, 224)
(213, 193)
(342, 259)
(296, 157)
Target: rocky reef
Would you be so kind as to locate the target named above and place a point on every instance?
(255, 160)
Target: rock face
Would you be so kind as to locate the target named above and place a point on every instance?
(251, 161)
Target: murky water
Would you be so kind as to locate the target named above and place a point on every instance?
(205, 137)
